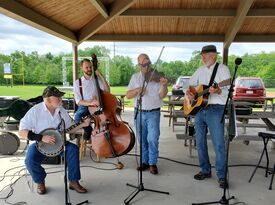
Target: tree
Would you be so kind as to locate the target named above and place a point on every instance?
(121, 70)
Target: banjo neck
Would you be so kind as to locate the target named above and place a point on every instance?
(77, 124)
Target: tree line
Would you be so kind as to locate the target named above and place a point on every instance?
(47, 69)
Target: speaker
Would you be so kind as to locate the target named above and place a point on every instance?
(9, 143)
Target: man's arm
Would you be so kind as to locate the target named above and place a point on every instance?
(164, 89)
(133, 93)
(29, 135)
(23, 134)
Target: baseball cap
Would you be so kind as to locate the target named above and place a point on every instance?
(52, 91)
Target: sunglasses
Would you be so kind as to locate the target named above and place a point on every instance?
(143, 65)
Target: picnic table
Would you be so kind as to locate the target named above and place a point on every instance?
(121, 98)
(172, 105)
(265, 117)
(270, 100)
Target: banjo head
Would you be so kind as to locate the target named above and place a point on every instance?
(51, 150)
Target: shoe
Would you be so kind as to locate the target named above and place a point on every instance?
(143, 167)
(77, 187)
(222, 183)
(41, 188)
(154, 169)
(202, 176)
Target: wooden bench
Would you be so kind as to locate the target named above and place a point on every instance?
(243, 137)
(192, 139)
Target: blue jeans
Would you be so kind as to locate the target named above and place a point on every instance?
(150, 135)
(34, 159)
(210, 117)
(81, 112)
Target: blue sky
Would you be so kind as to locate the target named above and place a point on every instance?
(15, 35)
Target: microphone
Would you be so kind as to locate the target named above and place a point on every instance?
(238, 61)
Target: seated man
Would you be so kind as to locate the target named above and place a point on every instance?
(48, 114)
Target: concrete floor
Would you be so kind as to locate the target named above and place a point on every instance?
(107, 185)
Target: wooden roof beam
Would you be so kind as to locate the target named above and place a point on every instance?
(181, 38)
(180, 12)
(100, 7)
(96, 24)
(237, 22)
(248, 38)
(26, 15)
(195, 13)
(261, 13)
(157, 38)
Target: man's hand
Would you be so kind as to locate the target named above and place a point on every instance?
(94, 103)
(216, 90)
(49, 139)
(86, 122)
(163, 81)
(189, 94)
(138, 91)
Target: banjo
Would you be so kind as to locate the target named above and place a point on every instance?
(52, 150)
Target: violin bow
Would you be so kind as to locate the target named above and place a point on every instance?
(154, 68)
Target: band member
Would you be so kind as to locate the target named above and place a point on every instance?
(151, 103)
(48, 114)
(210, 116)
(85, 93)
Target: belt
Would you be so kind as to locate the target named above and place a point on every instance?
(156, 109)
(214, 105)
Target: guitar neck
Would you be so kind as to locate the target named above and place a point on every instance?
(203, 92)
(220, 84)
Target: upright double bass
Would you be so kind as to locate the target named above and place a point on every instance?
(111, 137)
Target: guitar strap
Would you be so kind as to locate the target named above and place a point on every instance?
(213, 74)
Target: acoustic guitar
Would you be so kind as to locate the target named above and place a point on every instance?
(201, 93)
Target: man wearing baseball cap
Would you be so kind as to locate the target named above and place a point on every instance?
(45, 115)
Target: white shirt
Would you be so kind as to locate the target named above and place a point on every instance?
(88, 89)
(151, 98)
(39, 118)
(203, 75)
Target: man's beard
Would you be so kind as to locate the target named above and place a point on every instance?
(208, 63)
(88, 73)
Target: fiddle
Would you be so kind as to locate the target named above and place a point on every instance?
(154, 76)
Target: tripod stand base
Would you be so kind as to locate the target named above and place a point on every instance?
(139, 189)
(223, 200)
(84, 202)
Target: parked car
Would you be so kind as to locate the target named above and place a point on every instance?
(249, 89)
(181, 85)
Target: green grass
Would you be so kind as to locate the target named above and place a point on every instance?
(24, 92)
(31, 91)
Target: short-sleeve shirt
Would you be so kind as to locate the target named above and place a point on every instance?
(203, 75)
(39, 118)
(151, 99)
(88, 89)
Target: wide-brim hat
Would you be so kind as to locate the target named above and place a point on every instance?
(52, 91)
(208, 49)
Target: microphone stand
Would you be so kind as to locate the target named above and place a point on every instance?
(231, 135)
(140, 186)
(67, 198)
